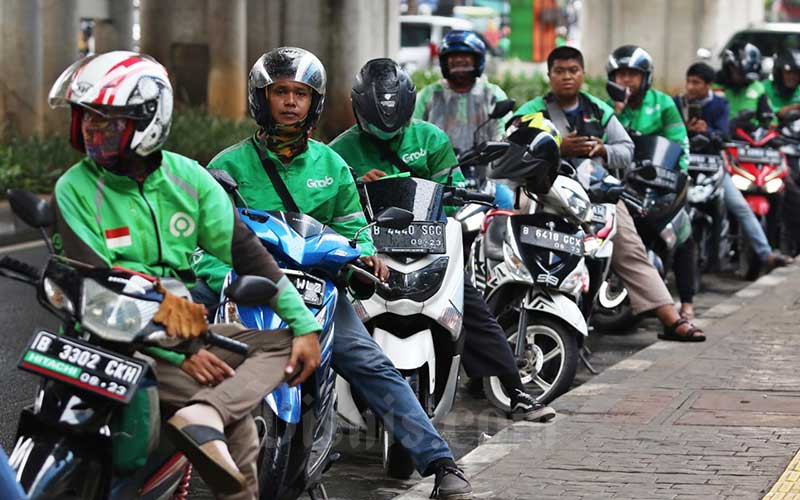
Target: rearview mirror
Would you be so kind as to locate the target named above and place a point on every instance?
(502, 108)
(251, 290)
(33, 210)
(224, 179)
(394, 218)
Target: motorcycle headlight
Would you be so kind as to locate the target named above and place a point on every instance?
(112, 316)
(417, 285)
(741, 183)
(56, 296)
(774, 185)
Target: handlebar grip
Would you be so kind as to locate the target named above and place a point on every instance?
(226, 343)
(19, 267)
(482, 197)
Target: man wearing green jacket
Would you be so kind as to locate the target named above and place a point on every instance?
(783, 90)
(131, 204)
(739, 81)
(286, 91)
(385, 141)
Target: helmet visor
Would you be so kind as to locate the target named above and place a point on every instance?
(62, 92)
(290, 63)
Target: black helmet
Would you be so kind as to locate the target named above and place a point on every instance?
(383, 98)
(285, 63)
(785, 60)
(534, 155)
(633, 57)
(743, 56)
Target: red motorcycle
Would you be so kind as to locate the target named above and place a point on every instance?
(758, 168)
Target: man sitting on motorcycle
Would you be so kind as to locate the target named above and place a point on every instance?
(130, 203)
(783, 90)
(714, 121)
(460, 102)
(739, 81)
(650, 112)
(386, 141)
(286, 91)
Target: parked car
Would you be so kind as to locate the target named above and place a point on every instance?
(768, 37)
(420, 37)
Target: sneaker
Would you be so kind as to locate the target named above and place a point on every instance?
(777, 259)
(451, 484)
(524, 407)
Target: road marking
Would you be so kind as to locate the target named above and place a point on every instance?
(21, 246)
(788, 485)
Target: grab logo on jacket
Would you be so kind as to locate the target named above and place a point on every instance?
(319, 183)
(414, 156)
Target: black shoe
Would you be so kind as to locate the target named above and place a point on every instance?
(524, 407)
(451, 484)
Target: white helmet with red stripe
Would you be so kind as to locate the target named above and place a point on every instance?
(119, 84)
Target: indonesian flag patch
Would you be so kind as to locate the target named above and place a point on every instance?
(118, 237)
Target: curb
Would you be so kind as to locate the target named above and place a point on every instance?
(503, 443)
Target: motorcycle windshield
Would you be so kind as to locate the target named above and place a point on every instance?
(421, 197)
(660, 151)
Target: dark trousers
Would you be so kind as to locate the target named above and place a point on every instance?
(486, 351)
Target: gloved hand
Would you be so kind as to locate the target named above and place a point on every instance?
(181, 317)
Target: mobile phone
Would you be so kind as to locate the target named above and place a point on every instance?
(695, 112)
(617, 92)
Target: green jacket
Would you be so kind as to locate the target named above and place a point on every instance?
(319, 181)
(154, 227)
(752, 97)
(778, 100)
(658, 115)
(422, 146)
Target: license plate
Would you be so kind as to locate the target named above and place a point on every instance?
(418, 237)
(83, 365)
(552, 240)
(311, 288)
(758, 155)
(599, 213)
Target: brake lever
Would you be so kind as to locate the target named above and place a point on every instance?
(363, 272)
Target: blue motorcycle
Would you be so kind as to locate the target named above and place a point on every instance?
(297, 424)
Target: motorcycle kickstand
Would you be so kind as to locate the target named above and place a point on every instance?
(318, 492)
(582, 355)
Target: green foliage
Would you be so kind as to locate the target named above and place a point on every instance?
(35, 163)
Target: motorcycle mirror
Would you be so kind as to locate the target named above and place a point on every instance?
(502, 108)
(224, 179)
(394, 218)
(251, 290)
(33, 210)
(647, 172)
(617, 92)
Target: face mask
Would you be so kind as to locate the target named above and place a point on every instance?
(380, 134)
(102, 138)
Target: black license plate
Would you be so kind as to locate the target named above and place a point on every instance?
(552, 240)
(758, 155)
(418, 237)
(311, 288)
(83, 365)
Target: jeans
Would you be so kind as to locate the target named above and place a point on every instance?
(9, 487)
(373, 377)
(738, 206)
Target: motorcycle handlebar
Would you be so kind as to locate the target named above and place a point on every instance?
(19, 267)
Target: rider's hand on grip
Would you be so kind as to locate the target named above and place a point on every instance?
(181, 317)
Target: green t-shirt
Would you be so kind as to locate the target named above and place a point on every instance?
(778, 100)
(319, 181)
(745, 98)
(658, 115)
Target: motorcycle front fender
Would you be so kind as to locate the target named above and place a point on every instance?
(758, 204)
(540, 301)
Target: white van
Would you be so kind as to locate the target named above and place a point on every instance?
(420, 37)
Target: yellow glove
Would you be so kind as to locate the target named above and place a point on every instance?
(181, 317)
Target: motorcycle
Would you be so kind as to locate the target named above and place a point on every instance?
(417, 319)
(655, 193)
(759, 169)
(707, 209)
(789, 127)
(297, 425)
(93, 429)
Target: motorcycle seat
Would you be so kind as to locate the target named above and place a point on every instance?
(493, 241)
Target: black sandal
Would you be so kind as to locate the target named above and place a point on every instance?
(691, 335)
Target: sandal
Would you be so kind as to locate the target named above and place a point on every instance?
(693, 334)
(190, 439)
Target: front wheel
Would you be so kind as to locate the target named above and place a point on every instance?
(549, 363)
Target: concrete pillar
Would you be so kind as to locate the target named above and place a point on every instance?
(20, 65)
(115, 32)
(227, 40)
(60, 27)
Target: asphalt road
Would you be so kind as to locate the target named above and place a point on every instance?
(358, 475)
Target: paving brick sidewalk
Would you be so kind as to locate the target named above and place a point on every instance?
(719, 419)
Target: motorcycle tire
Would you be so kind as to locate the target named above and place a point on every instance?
(280, 452)
(618, 320)
(552, 334)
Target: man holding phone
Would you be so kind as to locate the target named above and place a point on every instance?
(703, 111)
